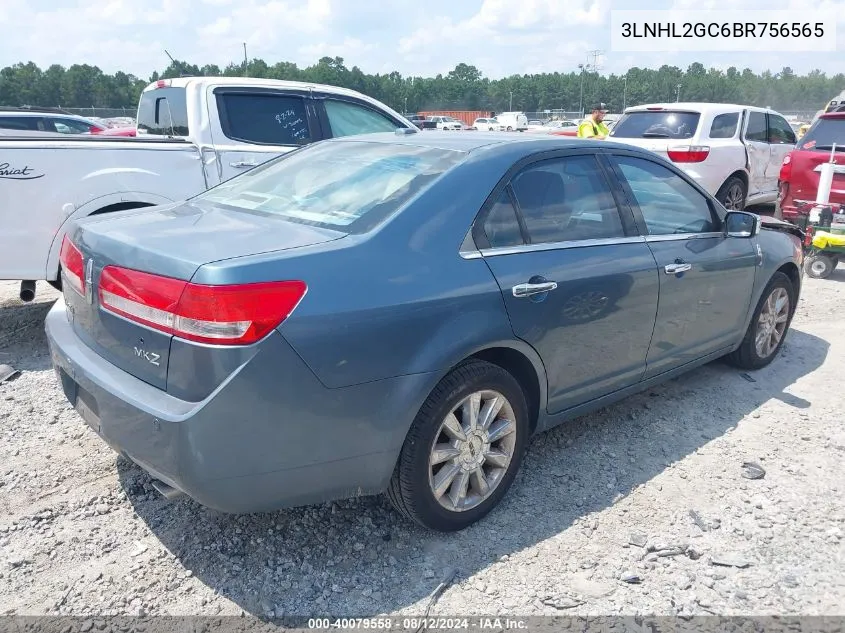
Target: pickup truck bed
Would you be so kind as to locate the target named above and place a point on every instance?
(71, 177)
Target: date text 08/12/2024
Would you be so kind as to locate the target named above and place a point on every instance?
(674, 30)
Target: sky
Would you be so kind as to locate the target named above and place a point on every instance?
(421, 38)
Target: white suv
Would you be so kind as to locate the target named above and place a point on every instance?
(733, 151)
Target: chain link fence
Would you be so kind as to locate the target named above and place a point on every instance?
(102, 113)
(554, 115)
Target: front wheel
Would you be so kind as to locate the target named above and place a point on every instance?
(463, 449)
(768, 327)
(819, 266)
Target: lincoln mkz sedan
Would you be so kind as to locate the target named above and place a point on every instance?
(400, 313)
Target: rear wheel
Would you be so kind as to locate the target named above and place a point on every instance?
(510, 129)
(768, 327)
(732, 194)
(463, 449)
(819, 266)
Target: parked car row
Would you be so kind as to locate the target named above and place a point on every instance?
(50, 120)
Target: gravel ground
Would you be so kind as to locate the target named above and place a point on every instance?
(641, 508)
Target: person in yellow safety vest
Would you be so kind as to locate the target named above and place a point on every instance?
(593, 126)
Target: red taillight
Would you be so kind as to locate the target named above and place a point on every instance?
(72, 265)
(225, 315)
(688, 154)
(786, 169)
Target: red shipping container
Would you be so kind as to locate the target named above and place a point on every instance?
(466, 116)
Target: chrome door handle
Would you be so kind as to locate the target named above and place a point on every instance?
(243, 163)
(674, 269)
(526, 290)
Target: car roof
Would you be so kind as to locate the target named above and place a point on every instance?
(37, 113)
(472, 142)
(832, 115)
(697, 106)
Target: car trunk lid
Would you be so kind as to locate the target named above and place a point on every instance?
(170, 242)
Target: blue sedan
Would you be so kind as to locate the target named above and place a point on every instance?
(400, 313)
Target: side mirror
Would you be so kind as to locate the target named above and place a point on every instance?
(741, 224)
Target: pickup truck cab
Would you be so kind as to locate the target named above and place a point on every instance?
(192, 134)
(733, 151)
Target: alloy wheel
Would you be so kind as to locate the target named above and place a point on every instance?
(472, 450)
(771, 324)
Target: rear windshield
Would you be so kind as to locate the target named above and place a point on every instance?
(349, 186)
(823, 134)
(663, 124)
(163, 112)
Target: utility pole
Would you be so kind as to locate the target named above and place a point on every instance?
(246, 63)
(595, 66)
(581, 99)
(625, 92)
(510, 109)
(678, 94)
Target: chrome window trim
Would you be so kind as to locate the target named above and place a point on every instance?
(674, 237)
(553, 246)
(610, 241)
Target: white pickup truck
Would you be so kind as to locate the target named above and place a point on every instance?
(192, 133)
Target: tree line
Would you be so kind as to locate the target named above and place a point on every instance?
(464, 88)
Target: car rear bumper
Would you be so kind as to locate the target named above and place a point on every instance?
(270, 436)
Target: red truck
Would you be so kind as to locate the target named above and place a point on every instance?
(798, 181)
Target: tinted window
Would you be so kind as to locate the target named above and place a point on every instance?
(668, 203)
(757, 128)
(347, 185)
(567, 199)
(823, 134)
(71, 126)
(780, 132)
(501, 226)
(264, 119)
(724, 125)
(663, 124)
(163, 112)
(21, 123)
(347, 119)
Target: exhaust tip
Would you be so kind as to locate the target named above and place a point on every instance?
(27, 293)
(167, 491)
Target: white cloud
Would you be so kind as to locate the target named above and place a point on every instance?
(500, 37)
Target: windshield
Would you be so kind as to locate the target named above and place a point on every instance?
(823, 134)
(349, 185)
(651, 124)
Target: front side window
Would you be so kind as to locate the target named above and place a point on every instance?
(348, 185)
(71, 126)
(347, 119)
(669, 204)
(780, 132)
(264, 119)
(566, 199)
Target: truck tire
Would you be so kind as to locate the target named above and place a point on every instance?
(732, 194)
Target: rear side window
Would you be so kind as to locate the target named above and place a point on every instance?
(347, 119)
(657, 124)
(264, 119)
(757, 128)
(163, 112)
(567, 199)
(349, 186)
(32, 123)
(823, 134)
(501, 226)
(724, 125)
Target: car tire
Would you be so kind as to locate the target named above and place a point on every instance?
(749, 354)
(429, 493)
(819, 266)
(510, 129)
(733, 192)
